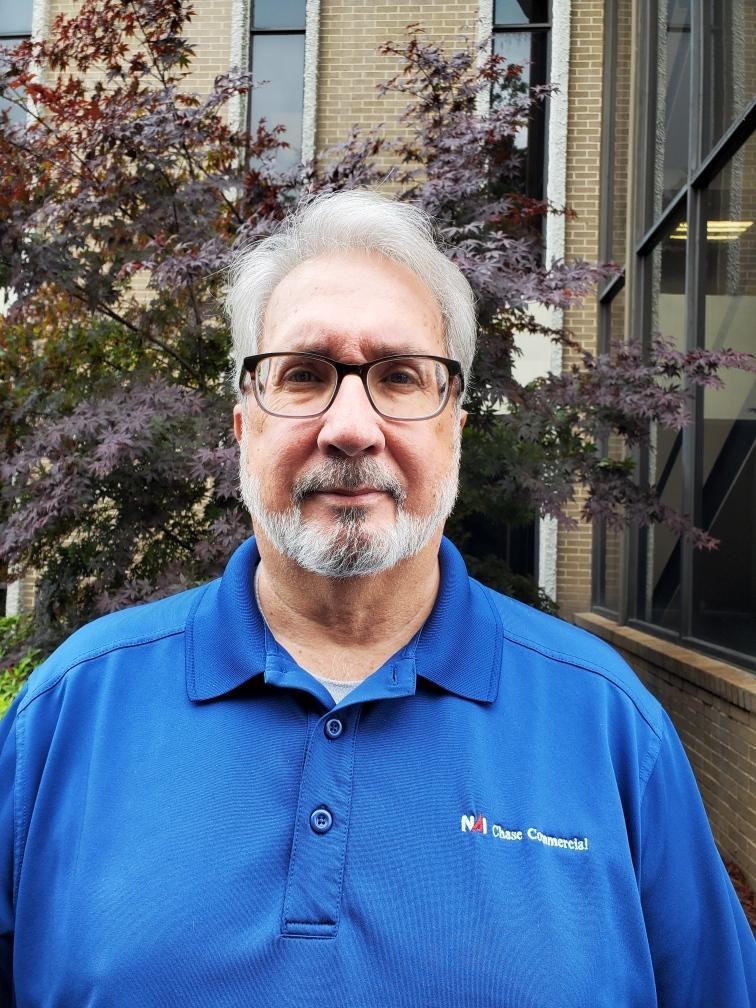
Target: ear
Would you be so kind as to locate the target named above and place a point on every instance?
(238, 422)
(462, 419)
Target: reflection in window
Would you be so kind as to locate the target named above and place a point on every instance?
(660, 550)
(606, 589)
(730, 68)
(521, 36)
(673, 56)
(15, 26)
(277, 49)
(274, 14)
(698, 288)
(724, 580)
(521, 11)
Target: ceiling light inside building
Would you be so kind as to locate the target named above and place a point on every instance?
(716, 230)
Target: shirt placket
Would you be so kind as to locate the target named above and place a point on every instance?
(314, 885)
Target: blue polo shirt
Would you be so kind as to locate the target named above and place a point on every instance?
(499, 816)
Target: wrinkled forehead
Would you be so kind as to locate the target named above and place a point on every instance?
(353, 302)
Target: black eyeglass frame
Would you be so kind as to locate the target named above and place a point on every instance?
(343, 369)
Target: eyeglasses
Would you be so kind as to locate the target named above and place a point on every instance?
(399, 387)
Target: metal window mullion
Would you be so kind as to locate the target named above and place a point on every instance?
(612, 288)
(646, 118)
(726, 147)
(694, 316)
(692, 437)
(662, 225)
(278, 31)
(640, 284)
(609, 102)
(506, 29)
(604, 306)
(644, 267)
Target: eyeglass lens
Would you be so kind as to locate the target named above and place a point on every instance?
(410, 388)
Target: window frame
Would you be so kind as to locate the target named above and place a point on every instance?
(11, 39)
(648, 231)
(304, 143)
(536, 170)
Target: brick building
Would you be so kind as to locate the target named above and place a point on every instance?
(649, 139)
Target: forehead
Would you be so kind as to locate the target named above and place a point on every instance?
(353, 305)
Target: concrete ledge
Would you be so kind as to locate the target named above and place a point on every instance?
(736, 686)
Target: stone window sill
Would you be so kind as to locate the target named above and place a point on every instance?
(735, 685)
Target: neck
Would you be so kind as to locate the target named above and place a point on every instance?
(346, 628)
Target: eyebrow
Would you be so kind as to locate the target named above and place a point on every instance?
(379, 349)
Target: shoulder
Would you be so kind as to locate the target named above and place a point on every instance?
(560, 648)
(122, 633)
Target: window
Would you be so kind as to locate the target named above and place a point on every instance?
(277, 55)
(692, 278)
(521, 32)
(15, 26)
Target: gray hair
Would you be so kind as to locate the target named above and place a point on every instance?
(353, 219)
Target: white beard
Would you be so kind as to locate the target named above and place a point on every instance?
(347, 548)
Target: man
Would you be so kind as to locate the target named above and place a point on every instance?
(345, 773)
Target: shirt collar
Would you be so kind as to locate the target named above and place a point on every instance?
(458, 649)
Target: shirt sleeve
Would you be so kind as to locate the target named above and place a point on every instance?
(702, 948)
(7, 844)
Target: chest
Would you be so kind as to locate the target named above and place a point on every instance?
(389, 847)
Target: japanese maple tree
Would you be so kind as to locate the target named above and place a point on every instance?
(122, 197)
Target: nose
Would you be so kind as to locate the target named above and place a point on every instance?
(350, 424)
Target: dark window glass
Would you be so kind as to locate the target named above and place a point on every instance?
(277, 57)
(15, 25)
(278, 14)
(724, 580)
(528, 48)
(530, 51)
(608, 588)
(610, 540)
(730, 67)
(673, 62)
(521, 11)
(16, 110)
(660, 556)
(708, 471)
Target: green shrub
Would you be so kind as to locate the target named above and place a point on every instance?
(16, 659)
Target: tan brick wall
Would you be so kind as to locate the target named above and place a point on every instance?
(350, 67)
(209, 30)
(713, 707)
(582, 238)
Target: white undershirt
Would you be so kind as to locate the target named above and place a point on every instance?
(338, 688)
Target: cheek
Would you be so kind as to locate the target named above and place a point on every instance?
(420, 466)
(275, 449)
(437, 461)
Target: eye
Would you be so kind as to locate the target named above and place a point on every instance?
(300, 376)
(295, 372)
(401, 376)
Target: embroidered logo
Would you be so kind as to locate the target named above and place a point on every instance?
(479, 824)
(472, 825)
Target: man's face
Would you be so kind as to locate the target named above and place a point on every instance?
(349, 492)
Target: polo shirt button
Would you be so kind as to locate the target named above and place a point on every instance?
(321, 820)
(333, 728)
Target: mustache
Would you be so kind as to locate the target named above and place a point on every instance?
(347, 474)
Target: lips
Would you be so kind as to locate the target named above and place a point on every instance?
(349, 479)
(351, 491)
